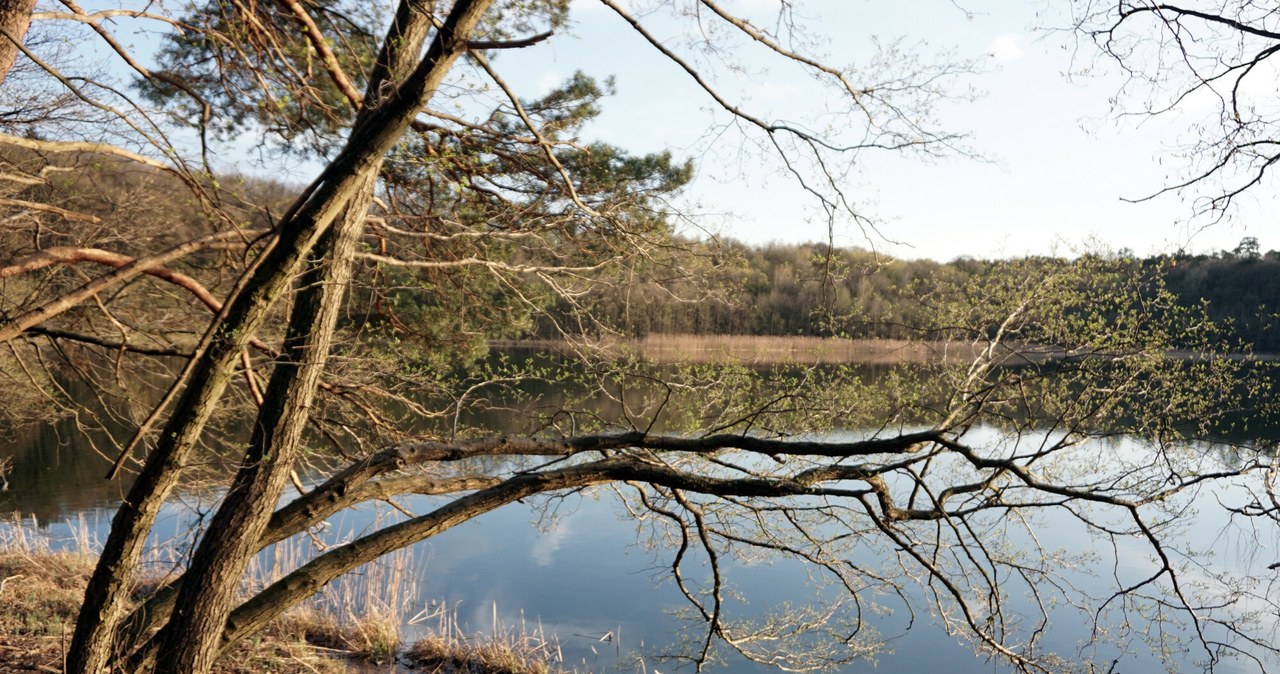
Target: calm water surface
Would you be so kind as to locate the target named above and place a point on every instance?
(576, 569)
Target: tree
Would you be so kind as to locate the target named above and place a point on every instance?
(1175, 56)
(424, 195)
(15, 17)
(1248, 249)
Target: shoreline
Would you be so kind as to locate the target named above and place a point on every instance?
(804, 350)
(41, 589)
(753, 349)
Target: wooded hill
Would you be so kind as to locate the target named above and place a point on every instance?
(811, 290)
(446, 313)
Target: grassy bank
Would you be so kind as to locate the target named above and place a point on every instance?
(40, 592)
(41, 589)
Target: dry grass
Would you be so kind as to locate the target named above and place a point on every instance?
(353, 625)
(507, 649)
(40, 593)
(768, 350)
(359, 615)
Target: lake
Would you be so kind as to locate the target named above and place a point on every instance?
(576, 568)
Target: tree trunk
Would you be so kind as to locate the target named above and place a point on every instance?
(189, 642)
(287, 522)
(375, 132)
(269, 604)
(15, 17)
(207, 376)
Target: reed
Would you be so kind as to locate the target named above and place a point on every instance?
(360, 615)
(359, 618)
(507, 649)
(42, 581)
(762, 350)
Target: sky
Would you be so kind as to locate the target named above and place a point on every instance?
(1046, 168)
(1054, 165)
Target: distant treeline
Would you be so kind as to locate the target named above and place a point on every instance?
(808, 289)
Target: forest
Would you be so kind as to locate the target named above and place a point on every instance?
(815, 290)
(713, 286)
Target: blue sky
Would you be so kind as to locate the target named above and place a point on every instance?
(1055, 164)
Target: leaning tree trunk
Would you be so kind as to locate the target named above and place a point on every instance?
(189, 642)
(344, 179)
(207, 376)
(375, 132)
(285, 593)
(15, 17)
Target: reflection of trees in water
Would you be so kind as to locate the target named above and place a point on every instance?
(621, 394)
(618, 394)
(54, 475)
(59, 468)
(939, 476)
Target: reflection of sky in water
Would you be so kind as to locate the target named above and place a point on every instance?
(582, 576)
(552, 539)
(578, 573)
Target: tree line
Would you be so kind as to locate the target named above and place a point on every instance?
(810, 289)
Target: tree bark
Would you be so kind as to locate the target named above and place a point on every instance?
(358, 482)
(207, 376)
(254, 614)
(15, 18)
(289, 521)
(188, 643)
(376, 130)
(269, 604)
(126, 270)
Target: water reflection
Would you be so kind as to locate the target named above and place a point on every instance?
(574, 566)
(55, 475)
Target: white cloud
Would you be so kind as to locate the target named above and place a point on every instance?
(549, 542)
(1006, 47)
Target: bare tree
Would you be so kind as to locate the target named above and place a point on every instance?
(1177, 57)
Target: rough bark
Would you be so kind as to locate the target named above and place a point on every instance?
(374, 133)
(188, 642)
(254, 614)
(309, 578)
(285, 523)
(15, 18)
(206, 378)
(359, 482)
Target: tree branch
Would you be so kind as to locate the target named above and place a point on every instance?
(509, 44)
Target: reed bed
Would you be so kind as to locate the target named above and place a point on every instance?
(507, 649)
(357, 623)
(760, 350)
(42, 581)
(360, 615)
